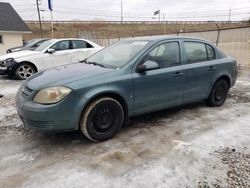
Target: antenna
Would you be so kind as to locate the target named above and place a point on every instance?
(121, 11)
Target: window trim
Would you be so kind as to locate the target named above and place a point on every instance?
(213, 51)
(2, 40)
(140, 60)
(87, 44)
(202, 42)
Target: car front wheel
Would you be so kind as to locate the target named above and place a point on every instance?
(218, 94)
(24, 70)
(102, 119)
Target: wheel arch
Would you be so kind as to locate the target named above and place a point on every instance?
(28, 62)
(219, 77)
(110, 94)
(224, 77)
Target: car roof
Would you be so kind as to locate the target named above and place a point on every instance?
(165, 37)
(70, 39)
(91, 42)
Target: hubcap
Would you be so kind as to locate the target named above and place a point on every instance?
(103, 119)
(25, 71)
(219, 93)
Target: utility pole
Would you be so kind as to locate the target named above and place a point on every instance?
(229, 17)
(218, 35)
(164, 22)
(121, 11)
(39, 17)
(159, 15)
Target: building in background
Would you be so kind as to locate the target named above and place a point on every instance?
(12, 28)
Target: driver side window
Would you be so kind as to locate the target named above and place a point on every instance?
(62, 45)
(166, 54)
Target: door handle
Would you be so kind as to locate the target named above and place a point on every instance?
(211, 68)
(178, 74)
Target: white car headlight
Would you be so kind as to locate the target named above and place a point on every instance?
(51, 95)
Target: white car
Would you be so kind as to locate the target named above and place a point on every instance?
(50, 54)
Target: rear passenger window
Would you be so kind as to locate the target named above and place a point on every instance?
(77, 44)
(195, 51)
(210, 52)
(167, 54)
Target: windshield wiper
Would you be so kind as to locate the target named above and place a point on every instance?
(92, 63)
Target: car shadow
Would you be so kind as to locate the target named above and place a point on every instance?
(145, 120)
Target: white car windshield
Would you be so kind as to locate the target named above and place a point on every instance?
(44, 45)
(118, 54)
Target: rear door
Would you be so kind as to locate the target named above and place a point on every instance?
(201, 67)
(81, 50)
(163, 87)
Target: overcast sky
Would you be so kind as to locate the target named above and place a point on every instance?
(135, 10)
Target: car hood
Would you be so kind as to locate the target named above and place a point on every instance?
(64, 75)
(17, 55)
(18, 47)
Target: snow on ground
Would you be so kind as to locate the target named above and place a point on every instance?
(190, 146)
(8, 87)
(6, 111)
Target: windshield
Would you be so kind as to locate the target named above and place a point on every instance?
(31, 43)
(28, 42)
(118, 54)
(36, 43)
(44, 45)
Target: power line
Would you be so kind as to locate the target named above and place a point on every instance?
(141, 13)
(121, 11)
(111, 16)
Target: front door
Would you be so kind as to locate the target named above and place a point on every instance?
(160, 88)
(61, 56)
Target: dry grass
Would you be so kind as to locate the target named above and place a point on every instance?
(112, 30)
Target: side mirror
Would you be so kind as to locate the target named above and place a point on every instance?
(51, 51)
(148, 65)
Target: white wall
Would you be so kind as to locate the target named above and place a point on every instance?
(10, 40)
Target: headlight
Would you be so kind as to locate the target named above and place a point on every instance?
(8, 63)
(1, 63)
(51, 95)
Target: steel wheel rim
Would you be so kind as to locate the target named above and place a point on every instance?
(25, 71)
(219, 93)
(103, 119)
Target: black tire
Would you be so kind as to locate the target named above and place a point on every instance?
(24, 70)
(102, 119)
(218, 94)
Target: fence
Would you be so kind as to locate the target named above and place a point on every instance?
(234, 42)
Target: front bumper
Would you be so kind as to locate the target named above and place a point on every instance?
(3, 71)
(59, 117)
(8, 66)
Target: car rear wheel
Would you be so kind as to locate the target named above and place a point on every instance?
(218, 94)
(102, 119)
(24, 70)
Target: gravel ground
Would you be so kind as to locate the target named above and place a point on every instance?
(190, 146)
(238, 164)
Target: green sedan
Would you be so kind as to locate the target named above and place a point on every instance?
(131, 77)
